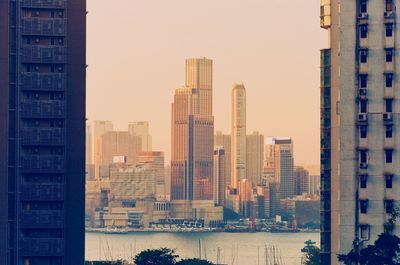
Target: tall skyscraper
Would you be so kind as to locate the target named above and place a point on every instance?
(89, 148)
(100, 128)
(238, 146)
(193, 134)
(42, 135)
(301, 181)
(155, 161)
(254, 157)
(116, 143)
(224, 141)
(284, 165)
(360, 110)
(141, 129)
(219, 176)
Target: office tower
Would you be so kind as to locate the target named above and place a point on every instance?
(155, 160)
(42, 135)
(199, 75)
(254, 157)
(224, 141)
(141, 129)
(359, 120)
(89, 149)
(283, 162)
(100, 128)
(116, 143)
(238, 146)
(301, 181)
(193, 134)
(314, 188)
(275, 198)
(269, 163)
(129, 183)
(245, 197)
(219, 176)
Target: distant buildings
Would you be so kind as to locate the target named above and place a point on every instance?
(155, 161)
(100, 128)
(219, 176)
(254, 157)
(301, 181)
(89, 144)
(42, 132)
(238, 146)
(193, 134)
(141, 129)
(224, 141)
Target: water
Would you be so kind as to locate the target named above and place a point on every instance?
(235, 248)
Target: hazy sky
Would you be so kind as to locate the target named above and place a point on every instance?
(136, 53)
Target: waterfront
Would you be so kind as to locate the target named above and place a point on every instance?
(233, 248)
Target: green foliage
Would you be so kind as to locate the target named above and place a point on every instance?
(194, 262)
(161, 256)
(385, 251)
(313, 257)
(118, 262)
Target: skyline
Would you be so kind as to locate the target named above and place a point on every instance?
(239, 54)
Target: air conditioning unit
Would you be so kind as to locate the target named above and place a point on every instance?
(362, 117)
(363, 16)
(387, 116)
(362, 92)
(364, 165)
(388, 14)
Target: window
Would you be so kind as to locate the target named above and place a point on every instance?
(363, 106)
(363, 31)
(389, 105)
(388, 206)
(389, 5)
(363, 206)
(389, 79)
(389, 55)
(364, 231)
(363, 181)
(363, 6)
(363, 55)
(363, 156)
(389, 155)
(389, 30)
(389, 181)
(389, 131)
(363, 81)
(363, 131)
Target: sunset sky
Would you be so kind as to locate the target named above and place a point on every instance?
(136, 52)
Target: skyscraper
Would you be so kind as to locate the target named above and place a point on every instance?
(359, 118)
(100, 128)
(89, 141)
(155, 160)
(254, 157)
(193, 134)
(301, 181)
(42, 136)
(141, 129)
(224, 141)
(219, 176)
(238, 146)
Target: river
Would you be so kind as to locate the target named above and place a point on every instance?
(233, 248)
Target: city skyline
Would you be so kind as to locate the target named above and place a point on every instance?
(236, 59)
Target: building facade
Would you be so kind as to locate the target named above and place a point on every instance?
(141, 129)
(219, 176)
(301, 181)
(359, 120)
(238, 146)
(155, 160)
(42, 136)
(224, 141)
(193, 134)
(254, 157)
(99, 129)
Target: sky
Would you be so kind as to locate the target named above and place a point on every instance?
(137, 49)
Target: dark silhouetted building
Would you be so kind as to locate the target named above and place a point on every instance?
(42, 135)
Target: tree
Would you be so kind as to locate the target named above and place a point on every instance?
(104, 262)
(194, 262)
(312, 257)
(385, 251)
(161, 256)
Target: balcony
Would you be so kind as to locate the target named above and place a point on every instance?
(44, 4)
(42, 109)
(389, 16)
(44, 26)
(41, 247)
(43, 82)
(43, 54)
(387, 118)
(41, 219)
(42, 136)
(362, 19)
(362, 119)
(42, 163)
